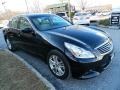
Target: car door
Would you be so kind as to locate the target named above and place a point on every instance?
(41, 24)
(13, 32)
(28, 36)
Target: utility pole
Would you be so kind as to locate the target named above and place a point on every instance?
(27, 6)
(69, 8)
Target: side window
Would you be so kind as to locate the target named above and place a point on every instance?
(24, 24)
(13, 23)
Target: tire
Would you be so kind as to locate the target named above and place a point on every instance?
(10, 45)
(63, 63)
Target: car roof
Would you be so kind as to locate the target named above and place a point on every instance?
(36, 14)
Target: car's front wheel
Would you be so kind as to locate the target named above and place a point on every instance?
(58, 64)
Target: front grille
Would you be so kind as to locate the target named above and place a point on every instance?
(105, 48)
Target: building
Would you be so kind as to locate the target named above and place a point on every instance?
(104, 8)
(63, 7)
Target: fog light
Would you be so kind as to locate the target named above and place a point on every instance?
(100, 57)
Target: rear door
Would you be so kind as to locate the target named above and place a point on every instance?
(13, 32)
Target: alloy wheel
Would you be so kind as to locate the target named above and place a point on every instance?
(56, 65)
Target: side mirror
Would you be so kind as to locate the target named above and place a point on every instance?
(27, 30)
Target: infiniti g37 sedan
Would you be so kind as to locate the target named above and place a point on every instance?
(69, 50)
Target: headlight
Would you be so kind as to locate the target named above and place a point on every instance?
(79, 52)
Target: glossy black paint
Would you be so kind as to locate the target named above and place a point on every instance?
(42, 42)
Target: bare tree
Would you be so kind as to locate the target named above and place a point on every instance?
(7, 15)
(63, 1)
(3, 2)
(27, 6)
(36, 7)
(82, 4)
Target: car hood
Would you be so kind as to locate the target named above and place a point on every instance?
(85, 35)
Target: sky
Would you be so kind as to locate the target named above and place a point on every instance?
(19, 5)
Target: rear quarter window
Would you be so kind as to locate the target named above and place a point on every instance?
(13, 23)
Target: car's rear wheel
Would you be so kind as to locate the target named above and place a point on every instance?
(10, 45)
(58, 64)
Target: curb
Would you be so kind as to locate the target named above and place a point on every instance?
(103, 26)
(45, 81)
(110, 27)
(107, 28)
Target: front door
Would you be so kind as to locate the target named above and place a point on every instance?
(28, 38)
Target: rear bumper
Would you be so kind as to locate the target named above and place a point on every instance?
(89, 70)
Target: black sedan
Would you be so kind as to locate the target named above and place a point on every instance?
(68, 49)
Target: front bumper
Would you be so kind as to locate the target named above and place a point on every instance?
(90, 69)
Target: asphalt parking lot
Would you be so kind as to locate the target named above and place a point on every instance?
(107, 80)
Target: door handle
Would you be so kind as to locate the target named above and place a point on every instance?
(19, 34)
(33, 33)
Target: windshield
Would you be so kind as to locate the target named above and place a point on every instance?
(49, 22)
